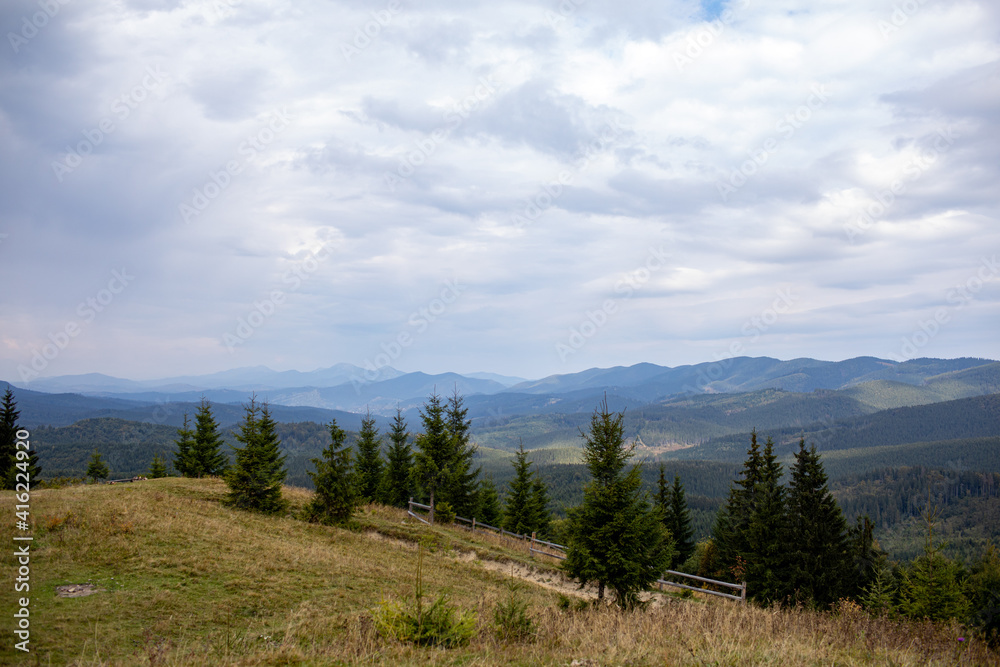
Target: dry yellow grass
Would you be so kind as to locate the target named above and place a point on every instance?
(185, 581)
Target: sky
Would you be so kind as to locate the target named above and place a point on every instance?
(524, 188)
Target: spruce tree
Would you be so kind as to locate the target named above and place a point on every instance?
(616, 538)
(518, 510)
(14, 461)
(931, 585)
(336, 490)
(678, 521)
(206, 451)
(185, 461)
(34, 470)
(729, 535)
(368, 469)
(8, 439)
(158, 468)
(983, 593)
(767, 562)
(432, 460)
(462, 479)
(255, 479)
(96, 468)
(868, 560)
(397, 486)
(817, 541)
(489, 510)
(541, 516)
(663, 493)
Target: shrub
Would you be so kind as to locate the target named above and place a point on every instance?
(443, 513)
(511, 621)
(440, 624)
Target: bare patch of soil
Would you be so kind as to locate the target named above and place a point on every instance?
(77, 590)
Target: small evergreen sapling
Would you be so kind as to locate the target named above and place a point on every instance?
(158, 468)
(97, 468)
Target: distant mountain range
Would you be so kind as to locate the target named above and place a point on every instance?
(340, 390)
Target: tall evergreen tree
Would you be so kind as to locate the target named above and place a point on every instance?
(868, 560)
(206, 451)
(432, 460)
(678, 521)
(368, 469)
(767, 563)
(817, 541)
(729, 535)
(443, 462)
(541, 516)
(14, 461)
(462, 481)
(489, 510)
(256, 477)
(185, 461)
(518, 509)
(97, 468)
(616, 538)
(397, 486)
(8, 439)
(663, 492)
(336, 490)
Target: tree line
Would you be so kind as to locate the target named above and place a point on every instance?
(434, 466)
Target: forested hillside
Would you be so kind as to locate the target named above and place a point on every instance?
(975, 417)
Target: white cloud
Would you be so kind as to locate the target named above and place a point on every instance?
(409, 98)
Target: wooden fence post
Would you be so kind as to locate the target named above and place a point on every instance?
(531, 546)
(473, 525)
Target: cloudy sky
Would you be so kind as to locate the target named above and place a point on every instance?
(526, 188)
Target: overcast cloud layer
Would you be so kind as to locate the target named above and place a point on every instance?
(523, 188)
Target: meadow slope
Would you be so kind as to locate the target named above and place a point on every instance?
(182, 580)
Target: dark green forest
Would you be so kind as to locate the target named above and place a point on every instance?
(951, 451)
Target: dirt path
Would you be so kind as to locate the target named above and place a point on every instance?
(546, 578)
(555, 581)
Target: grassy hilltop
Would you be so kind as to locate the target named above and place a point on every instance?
(182, 580)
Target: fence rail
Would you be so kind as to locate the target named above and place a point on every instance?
(742, 587)
(533, 540)
(137, 478)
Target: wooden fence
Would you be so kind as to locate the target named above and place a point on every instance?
(552, 546)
